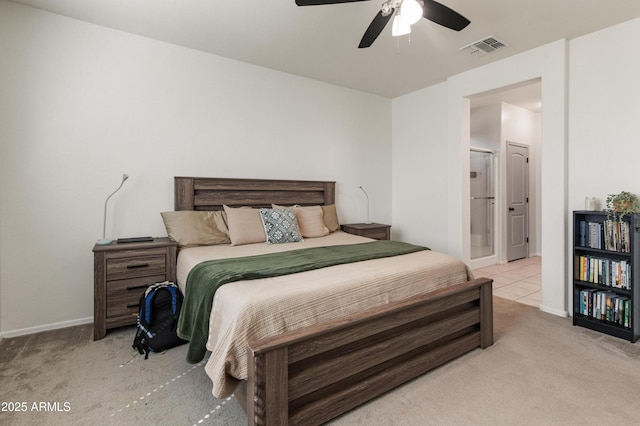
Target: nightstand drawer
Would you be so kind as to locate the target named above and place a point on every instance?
(376, 235)
(133, 267)
(123, 296)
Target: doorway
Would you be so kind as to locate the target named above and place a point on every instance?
(507, 122)
(545, 67)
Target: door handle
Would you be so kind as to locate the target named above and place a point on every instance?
(511, 209)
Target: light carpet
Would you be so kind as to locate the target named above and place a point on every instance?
(540, 370)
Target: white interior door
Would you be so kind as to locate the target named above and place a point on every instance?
(517, 201)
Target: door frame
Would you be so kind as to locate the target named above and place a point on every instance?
(549, 64)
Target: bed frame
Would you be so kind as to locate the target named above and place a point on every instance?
(212, 193)
(311, 375)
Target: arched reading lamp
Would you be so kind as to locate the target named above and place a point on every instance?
(368, 216)
(104, 239)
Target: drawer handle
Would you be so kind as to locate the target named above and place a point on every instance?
(133, 305)
(136, 287)
(137, 265)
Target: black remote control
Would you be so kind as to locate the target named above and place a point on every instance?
(134, 240)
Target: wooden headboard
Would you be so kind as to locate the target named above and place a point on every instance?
(202, 193)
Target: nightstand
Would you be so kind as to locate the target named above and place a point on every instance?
(376, 231)
(121, 274)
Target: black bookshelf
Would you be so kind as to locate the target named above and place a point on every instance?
(606, 272)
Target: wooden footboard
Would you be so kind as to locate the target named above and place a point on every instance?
(312, 375)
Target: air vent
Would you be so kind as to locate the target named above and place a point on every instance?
(486, 45)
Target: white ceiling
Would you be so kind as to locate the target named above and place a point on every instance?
(526, 95)
(320, 42)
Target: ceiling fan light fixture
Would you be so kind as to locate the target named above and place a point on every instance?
(400, 27)
(405, 14)
(411, 11)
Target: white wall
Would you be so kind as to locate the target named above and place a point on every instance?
(83, 104)
(486, 127)
(420, 213)
(604, 126)
(589, 140)
(450, 138)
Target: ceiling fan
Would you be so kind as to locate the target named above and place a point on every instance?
(431, 10)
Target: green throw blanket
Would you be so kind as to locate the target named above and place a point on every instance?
(206, 277)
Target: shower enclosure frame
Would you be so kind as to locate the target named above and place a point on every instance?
(490, 202)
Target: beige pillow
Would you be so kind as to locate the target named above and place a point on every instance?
(330, 216)
(245, 225)
(311, 222)
(196, 227)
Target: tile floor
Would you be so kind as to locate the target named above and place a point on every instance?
(519, 280)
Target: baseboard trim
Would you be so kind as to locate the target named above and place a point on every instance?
(552, 311)
(45, 327)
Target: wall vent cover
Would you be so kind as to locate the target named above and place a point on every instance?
(483, 46)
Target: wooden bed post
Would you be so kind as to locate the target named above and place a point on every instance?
(329, 193)
(268, 371)
(184, 193)
(486, 315)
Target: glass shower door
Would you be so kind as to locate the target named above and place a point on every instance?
(482, 210)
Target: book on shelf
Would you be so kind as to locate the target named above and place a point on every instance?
(604, 271)
(612, 235)
(582, 234)
(605, 306)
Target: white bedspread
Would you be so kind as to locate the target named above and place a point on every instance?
(251, 310)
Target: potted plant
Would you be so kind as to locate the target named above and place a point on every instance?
(618, 205)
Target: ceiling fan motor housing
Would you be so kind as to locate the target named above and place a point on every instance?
(431, 10)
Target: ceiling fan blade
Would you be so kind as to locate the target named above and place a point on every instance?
(375, 28)
(441, 14)
(321, 2)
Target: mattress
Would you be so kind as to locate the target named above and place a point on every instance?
(249, 310)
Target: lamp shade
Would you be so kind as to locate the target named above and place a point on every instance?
(411, 11)
(400, 26)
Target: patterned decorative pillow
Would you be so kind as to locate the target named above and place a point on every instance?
(280, 225)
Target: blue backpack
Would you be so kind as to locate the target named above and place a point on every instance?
(158, 319)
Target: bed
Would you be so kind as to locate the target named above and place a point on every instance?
(304, 348)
